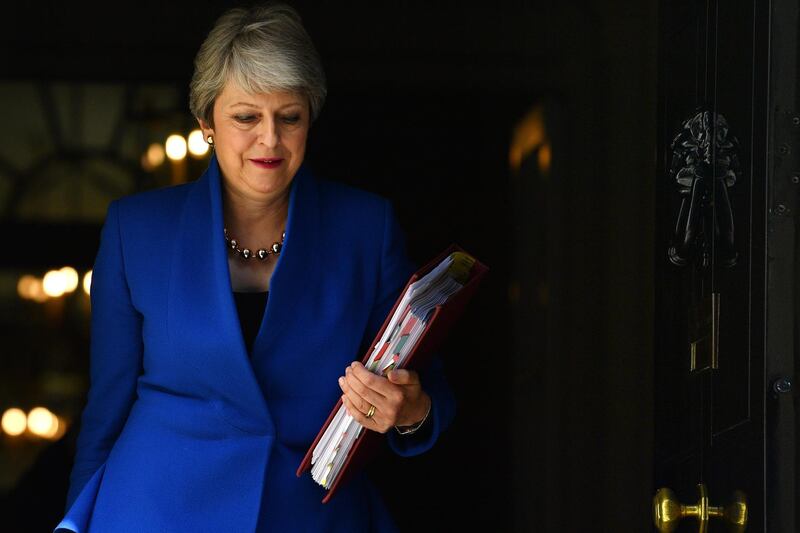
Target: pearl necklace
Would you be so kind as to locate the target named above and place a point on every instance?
(246, 253)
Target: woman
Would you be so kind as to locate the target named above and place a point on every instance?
(200, 408)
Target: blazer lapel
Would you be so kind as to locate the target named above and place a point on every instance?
(202, 319)
(290, 278)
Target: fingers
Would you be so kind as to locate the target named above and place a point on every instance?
(359, 395)
(371, 381)
(404, 377)
(396, 398)
(374, 423)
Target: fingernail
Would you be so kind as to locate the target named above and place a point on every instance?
(341, 382)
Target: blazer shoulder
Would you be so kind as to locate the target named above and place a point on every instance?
(154, 206)
(162, 198)
(149, 220)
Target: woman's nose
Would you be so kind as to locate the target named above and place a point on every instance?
(268, 134)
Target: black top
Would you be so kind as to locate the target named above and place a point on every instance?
(250, 306)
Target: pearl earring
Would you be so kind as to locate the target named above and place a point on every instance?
(210, 140)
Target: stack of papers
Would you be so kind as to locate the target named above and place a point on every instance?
(401, 335)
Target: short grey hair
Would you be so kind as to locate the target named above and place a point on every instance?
(263, 48)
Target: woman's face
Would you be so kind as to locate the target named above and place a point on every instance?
(259, 139)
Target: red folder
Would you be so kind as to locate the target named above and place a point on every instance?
(437, 328)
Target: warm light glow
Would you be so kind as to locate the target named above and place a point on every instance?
(54, 283)
(176, 147)
(30, 288)
(70, 278)
(198, 147)
(42, 422)
(37, 291)
(26, 287)
(14, 421)
(59, 428)
(55, 430)
(155, 155)
(544, 158)
(87, 282)
(529, 134)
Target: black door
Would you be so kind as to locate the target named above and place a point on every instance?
(729, 125)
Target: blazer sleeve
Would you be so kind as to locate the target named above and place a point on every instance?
(394, 273)
(115, 357)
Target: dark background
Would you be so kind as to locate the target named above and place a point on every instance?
(552, 365)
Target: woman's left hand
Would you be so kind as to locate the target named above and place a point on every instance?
(398, 400)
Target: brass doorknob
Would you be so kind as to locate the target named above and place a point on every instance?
(668, 511)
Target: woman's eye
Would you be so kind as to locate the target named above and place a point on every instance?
(244, 119)
(291, 119)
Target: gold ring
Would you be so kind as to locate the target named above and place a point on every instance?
(371, 411)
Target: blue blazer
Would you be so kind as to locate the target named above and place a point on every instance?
(183, 430)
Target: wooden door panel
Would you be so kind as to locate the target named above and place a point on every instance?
(733, 102)
(709, 423)
(678, 413)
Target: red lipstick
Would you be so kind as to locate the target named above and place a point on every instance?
(267, 162)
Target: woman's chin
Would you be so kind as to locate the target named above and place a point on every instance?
(267, 186)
